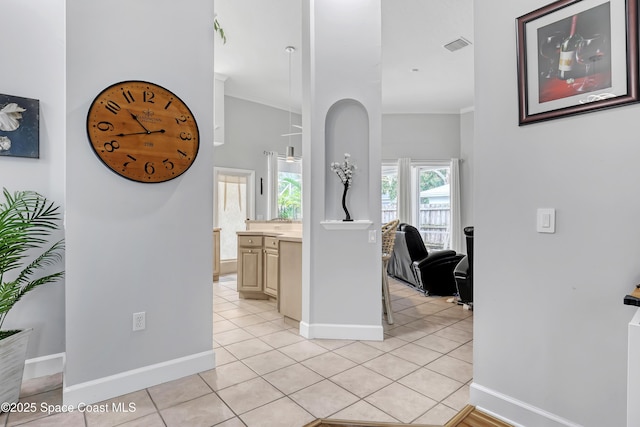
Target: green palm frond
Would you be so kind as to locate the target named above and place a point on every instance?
(27, 219)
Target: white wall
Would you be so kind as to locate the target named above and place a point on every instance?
(550, 326)
(252, 129)
(420, 136)
(33, 67)
(341, 270)
(137, 247)
(466, 168)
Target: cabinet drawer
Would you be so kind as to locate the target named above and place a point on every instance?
(250, 241)
(270, 243)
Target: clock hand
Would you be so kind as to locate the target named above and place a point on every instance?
(141, 133)
(139, 122)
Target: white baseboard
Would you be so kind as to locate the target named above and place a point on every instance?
(137, 379)
(341, 332)
(43, 366)
(514, 411)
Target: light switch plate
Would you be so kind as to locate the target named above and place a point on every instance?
(546, 220)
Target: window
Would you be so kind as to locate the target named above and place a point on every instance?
(233, 204)
(289, 201)
(429, 209)
(433, 205)
(389, 193)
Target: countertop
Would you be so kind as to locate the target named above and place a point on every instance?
(280, 235)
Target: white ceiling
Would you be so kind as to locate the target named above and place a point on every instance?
(413, 34)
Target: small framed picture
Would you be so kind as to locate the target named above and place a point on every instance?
(19, 126)
(576, 56)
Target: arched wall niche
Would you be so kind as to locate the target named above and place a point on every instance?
(347, 131)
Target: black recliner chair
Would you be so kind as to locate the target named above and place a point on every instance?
(429, 272)
(464, 271)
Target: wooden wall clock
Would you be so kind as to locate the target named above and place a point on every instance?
(142, 131)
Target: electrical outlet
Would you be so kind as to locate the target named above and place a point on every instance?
(372, 236)
(139, 321)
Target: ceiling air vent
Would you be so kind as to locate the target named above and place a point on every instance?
(457, 44)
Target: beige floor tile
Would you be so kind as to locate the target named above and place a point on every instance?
(233, 422)
(302, 350)
(281, 413)
(268, 362)
(416, 354)
(52, 397)
(231, 337)
(143, 406)
(452, 368)
(422, 310)
(464, 352)
(400, 319)
(391, 366)
(41, 384)
(223, 357)
(249, 395)
(151, 420)
(363, 411)
(270, 315)
(217, 317)
(443, 320)
(66, 419)
(459, 399)
(401, 402)
(331, 344)
(439, 344)
(248, 348)
(465, 325)
(328, 364)
(204, 411)
(388, 344)
(223, 305)
(227, 375)
(456, 312)
(292, 378)
(424, 325)
(181, 390)
(223, 326)
(431, 384)
(323, 399)
(360, 381)
(262, 329)
(358, 352)
(454, 334)
(252, 319)
(438, 415)
(235, 313)
(407, 334)
(281, 338)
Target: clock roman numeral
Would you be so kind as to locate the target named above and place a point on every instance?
(128, 96)
(112, 106)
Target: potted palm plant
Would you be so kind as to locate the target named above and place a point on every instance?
(27, 219)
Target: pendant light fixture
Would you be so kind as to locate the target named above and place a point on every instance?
(290, 157)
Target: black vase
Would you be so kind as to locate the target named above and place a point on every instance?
(344, 203)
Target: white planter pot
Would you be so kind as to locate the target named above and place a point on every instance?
(13, 351)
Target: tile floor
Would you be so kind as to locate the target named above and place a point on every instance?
(268, 375)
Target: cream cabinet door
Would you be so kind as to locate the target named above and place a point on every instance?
(271, 272)
(249, 269)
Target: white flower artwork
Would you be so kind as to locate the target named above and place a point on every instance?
(19, 127)
(10, 116)
(5, 143)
